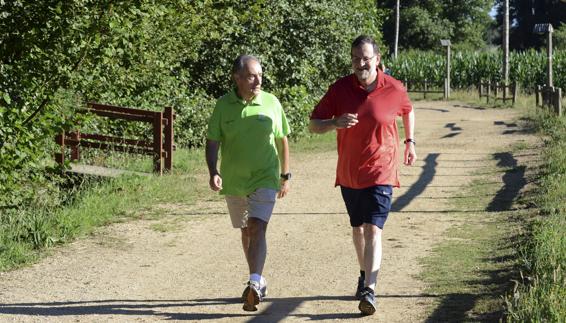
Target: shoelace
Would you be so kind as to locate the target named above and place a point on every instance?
(365, 292)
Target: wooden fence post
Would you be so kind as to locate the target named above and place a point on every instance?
(425, 88)
(558, 101)
(60, 140)
(537, 95)
(75, 152)
(514, 89)
(157, 142)
(169, 116)
(488, 90)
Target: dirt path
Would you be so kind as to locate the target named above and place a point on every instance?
(131, 272)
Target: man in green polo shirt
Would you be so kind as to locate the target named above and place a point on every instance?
(249, 128)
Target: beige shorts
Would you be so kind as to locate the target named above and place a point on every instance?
(258, 204)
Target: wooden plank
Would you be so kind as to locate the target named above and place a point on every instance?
(124, 110)
(157, 143)
(118, 115)
(168, 147)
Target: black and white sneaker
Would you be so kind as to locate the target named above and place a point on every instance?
(251, 296)
(367, 301)
(360, 287)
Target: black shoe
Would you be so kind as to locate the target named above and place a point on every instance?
(367, 301)
(251, 296)
(360, 287)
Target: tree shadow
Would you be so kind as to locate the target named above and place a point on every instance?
(513, 181)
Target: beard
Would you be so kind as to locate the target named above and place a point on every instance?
(363, 74)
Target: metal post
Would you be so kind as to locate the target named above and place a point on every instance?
(488, 90)
(425, 88)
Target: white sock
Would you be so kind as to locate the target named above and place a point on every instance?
(255, 277)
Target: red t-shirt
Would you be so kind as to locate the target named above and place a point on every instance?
(368, 152)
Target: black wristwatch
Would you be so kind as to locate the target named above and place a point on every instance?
(286, 176)
(410, 140)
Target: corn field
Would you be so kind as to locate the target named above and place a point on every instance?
(527, 68)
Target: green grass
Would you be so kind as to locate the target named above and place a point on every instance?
(540, 295)
(507, 264)
(471, 269)
(27, 234)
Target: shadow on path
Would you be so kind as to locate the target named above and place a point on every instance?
(513, 181)
(277, 308)
(427, 174)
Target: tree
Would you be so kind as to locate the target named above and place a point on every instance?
(524, 14)
(424, 23)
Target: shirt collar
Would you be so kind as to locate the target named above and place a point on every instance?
(380, 81)
(257, 100)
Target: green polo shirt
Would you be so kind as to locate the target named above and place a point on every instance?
(247, 132)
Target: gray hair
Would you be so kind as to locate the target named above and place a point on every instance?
(240, 63)
(364, 39)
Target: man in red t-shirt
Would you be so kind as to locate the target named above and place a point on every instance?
(363, 108)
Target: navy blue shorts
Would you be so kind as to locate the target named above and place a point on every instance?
(368, 205)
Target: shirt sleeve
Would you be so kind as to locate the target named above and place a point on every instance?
(214, 131)
(405, 105)
(326, 108)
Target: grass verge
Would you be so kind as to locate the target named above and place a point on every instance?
(540, 295)
(26, 234)
(508, 265)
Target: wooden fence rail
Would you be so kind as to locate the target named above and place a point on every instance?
(492, 90)
(425, 87)
(161, 147)
(549, 96)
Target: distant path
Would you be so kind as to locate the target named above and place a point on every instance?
(129, 272)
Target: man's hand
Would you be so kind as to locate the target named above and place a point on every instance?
(347, 120)
(410, 154)
(284, 188)
(215, 182)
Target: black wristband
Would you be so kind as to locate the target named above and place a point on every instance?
(410, 140)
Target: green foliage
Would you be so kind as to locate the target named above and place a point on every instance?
(542, 297)
(423, 23)
(57, 55)
(468, 68)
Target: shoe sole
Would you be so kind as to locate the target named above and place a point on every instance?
(251, 300)
(366, 308)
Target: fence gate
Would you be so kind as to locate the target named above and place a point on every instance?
(161, 147)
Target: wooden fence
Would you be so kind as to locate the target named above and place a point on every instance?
(426, 86)
(549, 96)
(161, 147)
(497, 91)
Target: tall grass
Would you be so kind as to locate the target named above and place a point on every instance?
(541, 296)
